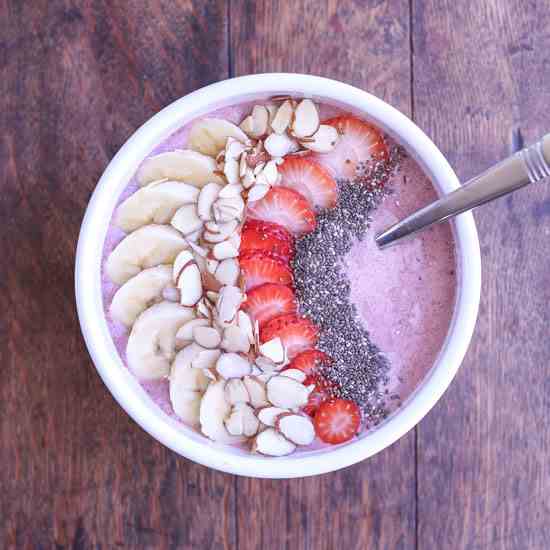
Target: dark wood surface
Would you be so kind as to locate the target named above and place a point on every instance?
(76, 79)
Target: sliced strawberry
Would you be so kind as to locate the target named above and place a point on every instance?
(359, 142)
(320, 394)
(285, 207)
(309, 361)
(337, 420)
(296, 333)
(265, 302)
(260, 235)
(259, 267)
(311, 180)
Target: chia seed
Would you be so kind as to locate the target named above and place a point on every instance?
(359, 369)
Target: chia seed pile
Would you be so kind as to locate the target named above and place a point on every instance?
(358, 370)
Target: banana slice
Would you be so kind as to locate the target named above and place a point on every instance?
(213, 412)
(209, 136)
(148, 246)
(139, 292)
(189, 166)
(152, 343)
(154, 203)
(187, 386)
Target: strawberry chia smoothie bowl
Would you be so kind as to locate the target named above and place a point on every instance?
(246, 317)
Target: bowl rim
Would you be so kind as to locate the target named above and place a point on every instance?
(88, 282)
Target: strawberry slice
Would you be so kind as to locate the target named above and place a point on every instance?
(271, 237)
(320, 394)
(259, 267)
(359, 142)
(311, 180)
(309, 361)
(296, 333)
(265, 302)
(285, 207)
(337, 420)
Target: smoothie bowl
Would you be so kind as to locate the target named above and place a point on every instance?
(230, 292)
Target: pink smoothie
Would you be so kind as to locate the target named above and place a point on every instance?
(404, 295)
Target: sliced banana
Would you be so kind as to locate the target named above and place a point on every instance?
(139, 292)
(213, 412)
(209, 136)
(148, 246)
(152, 343)
(189, 166)
(154, 203)
(187, 386)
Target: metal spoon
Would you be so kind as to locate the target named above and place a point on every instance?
(530, 165)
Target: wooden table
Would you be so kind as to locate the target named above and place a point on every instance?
(77, 78)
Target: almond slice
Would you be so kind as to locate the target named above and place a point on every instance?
(245, 324)
(296, 428)
(231, 170)
(231, 190)
(185, 332)
(212, 265)
(207, 337)
(257, 192)
(306, 119)
(208, 195)
(274, 350)
(243, 165)
(235, 340)
(206, 359)
(248, 179)
(212, 296)
(268, 415)
(280, 145)
(257, 391)
(224, 231)
(186, 219)
(225, 250)
(228, 272)
(171, 293)
(204, 309)
(242, 421)
(255, 125)
(287, 393)
(233, 365)
(236, 392)
(267, 365)
(232, 207)
(323, 141)
(234, 149)
(282, 118)
(198, 250)
(295, 374)
(271, 173)
(214, 409)
(228, 304)
(190, 285)
(182, 259)
(271, 443)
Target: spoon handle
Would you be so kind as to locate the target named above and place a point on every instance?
(530, 165)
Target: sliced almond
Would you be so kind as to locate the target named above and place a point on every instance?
(271, 173)
(212, 226)
(234, 149)
(225, 250)
(272, 110)
(171, 293)
(295, 374)
(306, 119)
(274, 350)
(235, 340)
(257, 391)
(231, 170)
(233, 365)
(287, 393)
(230, 206)
(231, 190)
(282, 118)
(182, 259)
(198, 250)
(271, 443)
(228, 304)
(204, 309)
(323, 141)
(207, 337)
(236, 392)
(242, 421)
(258, 169)
(190, 285)
(206, 359)
(186, 219)
(296, 428)
(256, 124)
(257, 192)
(280, 145)
(268, 415)
(208, 195)
(212, 296)
(228, 272)
(245, 324)
(248, 179)
(267, 365)
(212, 265)
(200, 261)
(185, 332)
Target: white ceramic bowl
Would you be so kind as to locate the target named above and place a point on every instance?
(125, 387)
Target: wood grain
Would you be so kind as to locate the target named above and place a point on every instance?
(76, 79)
(370, 505)
(479, 73)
